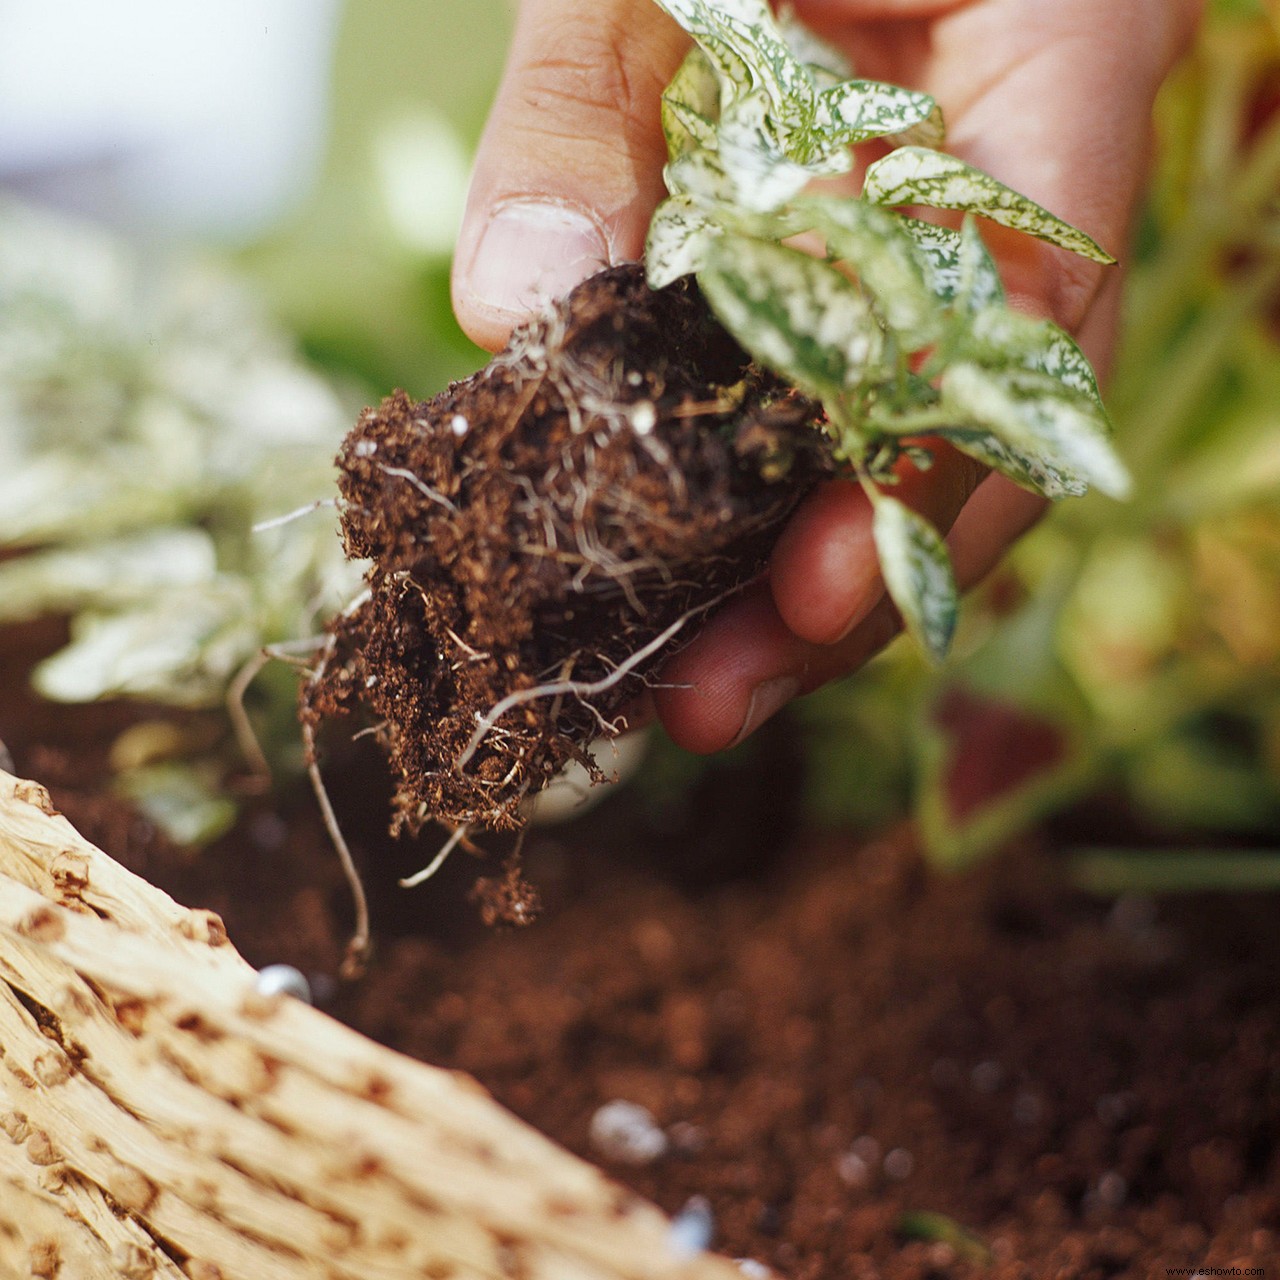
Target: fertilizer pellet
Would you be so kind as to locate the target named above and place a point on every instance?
(693, 1228)
(627, 1132)
(283, 980)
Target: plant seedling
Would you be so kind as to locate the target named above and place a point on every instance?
(541, 535)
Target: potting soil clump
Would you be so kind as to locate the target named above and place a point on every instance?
(542, 534)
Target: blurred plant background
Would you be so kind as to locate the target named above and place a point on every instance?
(1131, 652)
(179, 369)
(155, 406)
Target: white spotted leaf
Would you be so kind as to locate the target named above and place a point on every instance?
(747, 174)
(1037, 416)
(860, 109)
(691, 105)
(1036, 344)
(930, 132)
(1029, 470)
(918, 175)
(917, 572)
(744, 44)
(956, 265)
(680, 236)
(699, 174)
(797, 315)
(872, 241)
(762, 174)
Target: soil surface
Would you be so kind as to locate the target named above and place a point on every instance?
(867, 1069)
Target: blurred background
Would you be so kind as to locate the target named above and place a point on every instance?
(326, 146)
(225, 229)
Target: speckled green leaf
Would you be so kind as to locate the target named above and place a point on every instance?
(930, 132)
(699, 173)
(784, 79)
(709, 17)
(955, 264)
(1041, 419)
(917, 572)
(743, 42)
(735, 73)
(691, 105)
(685, 129)
(763, 175)
(797, 315)
(1036, 344)
(917, 175)
(780, 107)
(860, 109)
(872, 241)
(747, 173)
(1027, 469)
(680, 235)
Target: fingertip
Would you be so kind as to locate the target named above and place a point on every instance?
(517, 256)
(705, 699)
(569, 168)
(824, 573)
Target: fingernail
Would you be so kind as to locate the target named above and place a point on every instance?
(532, 252)
(767, 698)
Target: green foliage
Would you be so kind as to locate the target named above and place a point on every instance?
(917, 573)
(1129, 648)
(1137, 648)
(151, 415)
(794, 312)
(902, 330)
(149, 418)
(917, 175)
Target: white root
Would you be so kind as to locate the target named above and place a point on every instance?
(419, 877)
(473, 655)
(432, 495)
(291, 650)
(275, 522)
(358, 944)
(241, 726)
(582, 689)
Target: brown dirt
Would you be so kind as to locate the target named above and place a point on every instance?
(536, 528)
(831, 1035)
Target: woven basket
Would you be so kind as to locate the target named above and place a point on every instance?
(160, 1118)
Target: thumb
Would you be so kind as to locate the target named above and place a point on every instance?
(570, 165)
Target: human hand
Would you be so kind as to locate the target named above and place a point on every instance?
(1052, 97)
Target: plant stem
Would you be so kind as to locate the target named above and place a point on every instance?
(923, 422)
(1112, 871)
